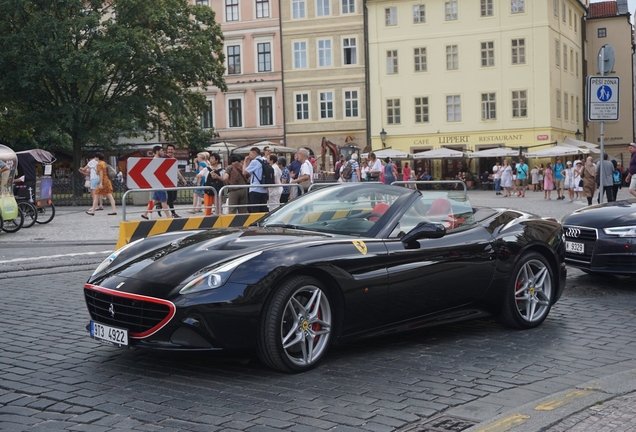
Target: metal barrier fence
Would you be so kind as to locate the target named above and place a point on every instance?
(433, 183)
(221, 205)
(124, 200)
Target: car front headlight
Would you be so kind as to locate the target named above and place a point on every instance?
(114, 255)
(626, 231)
(216, 277)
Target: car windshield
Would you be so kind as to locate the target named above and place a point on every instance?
(345, 209)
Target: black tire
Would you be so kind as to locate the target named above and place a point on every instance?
(529, 293)
(46, 214)
(306, 330)
(30, 213)
(13, 225)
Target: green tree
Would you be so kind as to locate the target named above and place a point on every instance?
(89, 71)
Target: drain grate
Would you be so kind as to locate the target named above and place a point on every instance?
(440, 424)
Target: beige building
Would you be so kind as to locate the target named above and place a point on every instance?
(608, 22)
(324, 72)
(473, 75)
(251, 109)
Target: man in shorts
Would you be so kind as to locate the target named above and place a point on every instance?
(559, 180)
(631, 177)
(159, 196)
(522, 177)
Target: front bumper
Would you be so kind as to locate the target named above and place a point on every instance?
(602, 253)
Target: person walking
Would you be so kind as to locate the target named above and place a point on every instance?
(406, 173)
(606, 182)
(558, 178)
(631, 176)
(588, 174)
(506, 177)
(548, 181)
(568, 182)
(172, 195)
(275, 193)
(522, 177)
(355, 169)
(390, 171)
(578, 187)
(160, 196)
(237, 197)
(306, 174)
(104, 188)
(375, 167)
(90, 170)
(257, 195)
(284, 179)
(496, 177)
(534, 174)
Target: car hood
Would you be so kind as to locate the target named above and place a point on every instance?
(171, 261)
(618, 213)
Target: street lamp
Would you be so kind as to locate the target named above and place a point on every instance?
(578, 134)
(383, 137)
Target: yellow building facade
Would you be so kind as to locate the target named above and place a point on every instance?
(473, 75)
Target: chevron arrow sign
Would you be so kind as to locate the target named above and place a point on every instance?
(146, 173)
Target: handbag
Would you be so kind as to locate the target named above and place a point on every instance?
(582, 174)
(581, 183)
(87, 184)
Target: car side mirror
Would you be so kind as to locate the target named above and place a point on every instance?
(423, 230)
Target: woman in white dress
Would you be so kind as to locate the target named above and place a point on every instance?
(568, 183)
(578, 190)
(506, 177)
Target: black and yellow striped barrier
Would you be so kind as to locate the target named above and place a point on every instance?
(133, 230)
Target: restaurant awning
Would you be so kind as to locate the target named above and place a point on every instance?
(439, 154)
(494, 152)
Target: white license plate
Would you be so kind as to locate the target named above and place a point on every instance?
(574, 247)
(114, 335)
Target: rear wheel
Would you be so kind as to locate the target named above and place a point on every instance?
(30, 213)
(46, 214)
(13, 225)
(296, 325)
(529, 294)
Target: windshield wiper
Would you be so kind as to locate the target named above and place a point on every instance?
(289, 226)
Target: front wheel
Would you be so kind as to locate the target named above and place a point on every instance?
(529, 295)
(46, 214)
(296, 325)
(30, 213)
(13, 225)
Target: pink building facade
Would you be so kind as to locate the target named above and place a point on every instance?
(251, 110)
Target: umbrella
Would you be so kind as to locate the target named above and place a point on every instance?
(558, 150)
(585, 147)
(393, 154)
(273, 147)
(220, 147)
(439, 153)
(494, 152)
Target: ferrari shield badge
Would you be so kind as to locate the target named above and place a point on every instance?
(360, 245)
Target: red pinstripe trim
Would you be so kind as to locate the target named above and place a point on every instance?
(153, 330)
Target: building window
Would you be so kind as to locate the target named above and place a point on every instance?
(262, 8)
(323, 8)
(519, 103)
(558, 103)
(565, 57)
(348, 6)
(557, 51)
(324, 52)
(351, 103)
(602, 32)
(298, 9)
(302, 106)
(453, 108)
(264, 57)
(566, 106)
(518, 51)
(555, 7)
(392, 62)
(576, 64)
(236, 118)
(452, 57)
(206, 117)
(517, 6)
(234, 59)
(419, 14)
(419, 56)
(390, 16)
(450, 8)
(326, 105)
(349, 51)
(570, 16)
(571, 60)
(572, 106)
(421, 110)
(487, 54)
(231, 10)
(488, 106)
(486, 8)
(202, 3)
(300, 55)
(266, 111)
(393, 111)
(576, 25)
(578, 112)
(563, 10)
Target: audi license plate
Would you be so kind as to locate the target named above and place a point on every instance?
(114, 335)
(574, 247)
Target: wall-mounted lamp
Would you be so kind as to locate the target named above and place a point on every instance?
(578, 134)
(383, 137)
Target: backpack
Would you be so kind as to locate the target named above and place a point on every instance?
(112, 174)
(216, 184)
(616, 177)
(268, 173)
(336, 173)
(347, 171)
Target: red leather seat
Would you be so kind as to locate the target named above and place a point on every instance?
(378, 209)
(441, 210)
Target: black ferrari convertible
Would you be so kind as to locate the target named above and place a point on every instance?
(602, 238)
(338, 263)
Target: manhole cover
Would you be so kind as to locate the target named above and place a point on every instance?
(440, 424)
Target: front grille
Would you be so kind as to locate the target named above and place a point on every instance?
(137, 315)
(587, 236)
